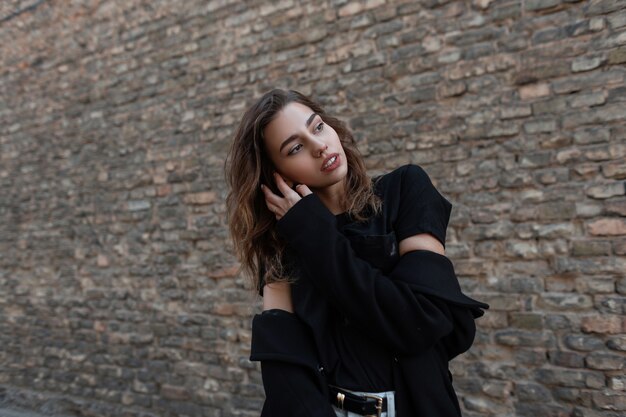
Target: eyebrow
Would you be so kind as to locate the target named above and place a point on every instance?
(295, 136)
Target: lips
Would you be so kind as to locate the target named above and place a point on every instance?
(327, 159)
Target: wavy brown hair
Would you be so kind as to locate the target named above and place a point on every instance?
(257, 244)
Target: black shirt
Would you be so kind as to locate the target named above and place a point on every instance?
(354, 356)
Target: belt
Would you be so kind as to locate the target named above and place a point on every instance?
(368, 405)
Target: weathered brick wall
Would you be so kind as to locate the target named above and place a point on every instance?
(118, 294)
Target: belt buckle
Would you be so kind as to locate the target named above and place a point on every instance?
(340, 398)
(379, 405)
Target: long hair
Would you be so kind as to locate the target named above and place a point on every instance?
(252, 225)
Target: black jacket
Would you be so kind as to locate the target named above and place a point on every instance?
(413, 304)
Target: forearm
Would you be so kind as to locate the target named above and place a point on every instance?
(406, 320)
(277, 295)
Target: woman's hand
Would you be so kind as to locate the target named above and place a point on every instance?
(280, 205)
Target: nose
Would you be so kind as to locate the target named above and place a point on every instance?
(319, 149)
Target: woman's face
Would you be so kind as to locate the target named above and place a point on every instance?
(299, 144)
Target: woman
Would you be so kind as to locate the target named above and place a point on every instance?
(362, 310)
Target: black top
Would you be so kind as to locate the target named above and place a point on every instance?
(356, 355)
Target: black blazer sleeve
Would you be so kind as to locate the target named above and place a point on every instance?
(398, 308)
(293, 383)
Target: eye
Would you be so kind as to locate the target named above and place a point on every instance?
(293, 149)
(319, 127)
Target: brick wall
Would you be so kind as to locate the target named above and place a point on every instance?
(118, 286)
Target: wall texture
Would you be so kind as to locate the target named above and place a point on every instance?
(119, 292)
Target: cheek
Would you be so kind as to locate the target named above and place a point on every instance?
(295, 169)
(330, 133)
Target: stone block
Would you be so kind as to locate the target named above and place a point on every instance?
(531, 321)
(605, 361)
(608, 400)
(569, 302)
(617, 343)
(525, 338)
(582, 342)
(589, 247)
(570, 378)
(567, 359)
(532, 392)
(595, 285)
(603, 191)
(602, 324)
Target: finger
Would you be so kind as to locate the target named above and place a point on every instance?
(271, 201)
(303, 189)
(269, 194)
(273, 208)
(282, 185)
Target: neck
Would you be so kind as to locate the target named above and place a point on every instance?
(332, 196)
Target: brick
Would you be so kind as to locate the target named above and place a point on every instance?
(556, 211)
(570, 302)
(481, 405)
(534, 91)
(619, 208)
(570, 378)
(534, 5)
(585, 81)
(581, 411)
(610, 304)
(586, 170)
(605, 361)
(591, 248)
(607, 190)
(501, 302)
(617, 19)
(526, 285)
(525, 250)
(549, 410)
(617, 383)
(567, 359)
(604, 114)
(515, 112)
(556, 105)
(609, 400)
(617, 343)
(588, 266)
(584, 343)
(572, 395)
(526, 321)
(617, 56)
(532, 392)
(596, 285)
(524, 338)
(614, 170)
(497, 320)
(540, 126)
(568, 155)
(452, 89)
(172, 392)
(536, 159)
(601, 324)
(586, 135)
(532, 357)
(586, 63)
(588, 100)
(607, 227)
(498, 389)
